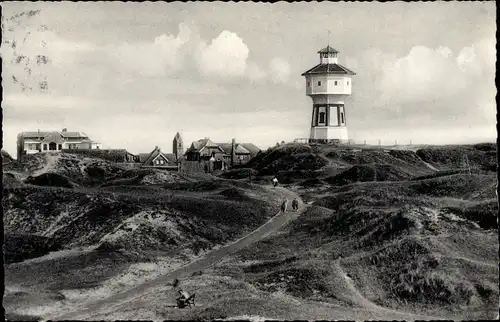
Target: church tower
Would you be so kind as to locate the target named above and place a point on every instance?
(328, 84)
(178, 146)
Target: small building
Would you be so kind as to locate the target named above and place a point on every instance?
(55, 141)
(204, 149)
(159, 160)
(243, 152)
(217, 156)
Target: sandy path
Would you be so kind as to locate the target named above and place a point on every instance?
(51, 161)
(206, 261)
(351, 294)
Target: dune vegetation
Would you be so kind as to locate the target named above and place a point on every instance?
(383, 234)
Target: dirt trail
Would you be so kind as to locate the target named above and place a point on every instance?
(352, 295)
(51, 160)
(430, 166)
(91, 309)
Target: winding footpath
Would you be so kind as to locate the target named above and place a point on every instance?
(205, 262)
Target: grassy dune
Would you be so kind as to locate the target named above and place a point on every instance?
(385, 233)
(390, 234)
(91, 240)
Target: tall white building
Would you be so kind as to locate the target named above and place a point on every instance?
(328, 84)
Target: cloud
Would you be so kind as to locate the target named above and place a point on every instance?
(426, 86)
(222, 59)
(279, 70)
(255, 73)
(160, 57)
(424, 74)
(225, 56)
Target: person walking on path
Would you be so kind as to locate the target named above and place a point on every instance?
(283, 205)
(295, 204)
(275, 182)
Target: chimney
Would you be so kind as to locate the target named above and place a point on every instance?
(233, 151)
(65, 130)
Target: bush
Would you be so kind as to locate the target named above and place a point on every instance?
(20, 247)
(485, 214)
(210, 314)
(239, 173)
(408, 271)
(50, 179)
(234, 194)
(368, 172)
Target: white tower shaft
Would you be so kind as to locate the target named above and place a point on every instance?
(328, 84)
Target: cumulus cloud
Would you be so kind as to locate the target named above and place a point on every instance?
(279, 70)
(225, 56)
(424, 74)
(160, 57)
(427, 85)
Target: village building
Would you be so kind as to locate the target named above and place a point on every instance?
(243, 152)
(204, 150)
(158, 159)
(55, 141)
(328, 84)
(221, 154)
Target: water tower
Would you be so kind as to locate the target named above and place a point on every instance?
(328, 84)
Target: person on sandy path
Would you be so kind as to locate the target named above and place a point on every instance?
(295, 204)
(283, 205)
(275, 182)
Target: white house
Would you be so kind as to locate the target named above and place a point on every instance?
(42, 141)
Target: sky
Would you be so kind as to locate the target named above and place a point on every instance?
(131, 75)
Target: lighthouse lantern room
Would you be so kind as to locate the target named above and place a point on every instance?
(328, 84)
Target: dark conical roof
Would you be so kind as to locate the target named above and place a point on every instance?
(328, 49)
(329, 69)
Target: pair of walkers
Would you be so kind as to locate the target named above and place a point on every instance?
(284, 204)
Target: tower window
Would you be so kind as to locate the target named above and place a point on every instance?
(308, 84)
(342, 117)
(347, 83)
(322, 117)
(335, 83)
(319, 83)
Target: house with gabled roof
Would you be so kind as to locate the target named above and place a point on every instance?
(204, 149)
(158, 159)
(32, 142)
(243, 152)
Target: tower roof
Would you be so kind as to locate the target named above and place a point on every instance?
(329, 69)
(328, 49)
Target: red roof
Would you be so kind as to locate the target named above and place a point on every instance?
(329, 69)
